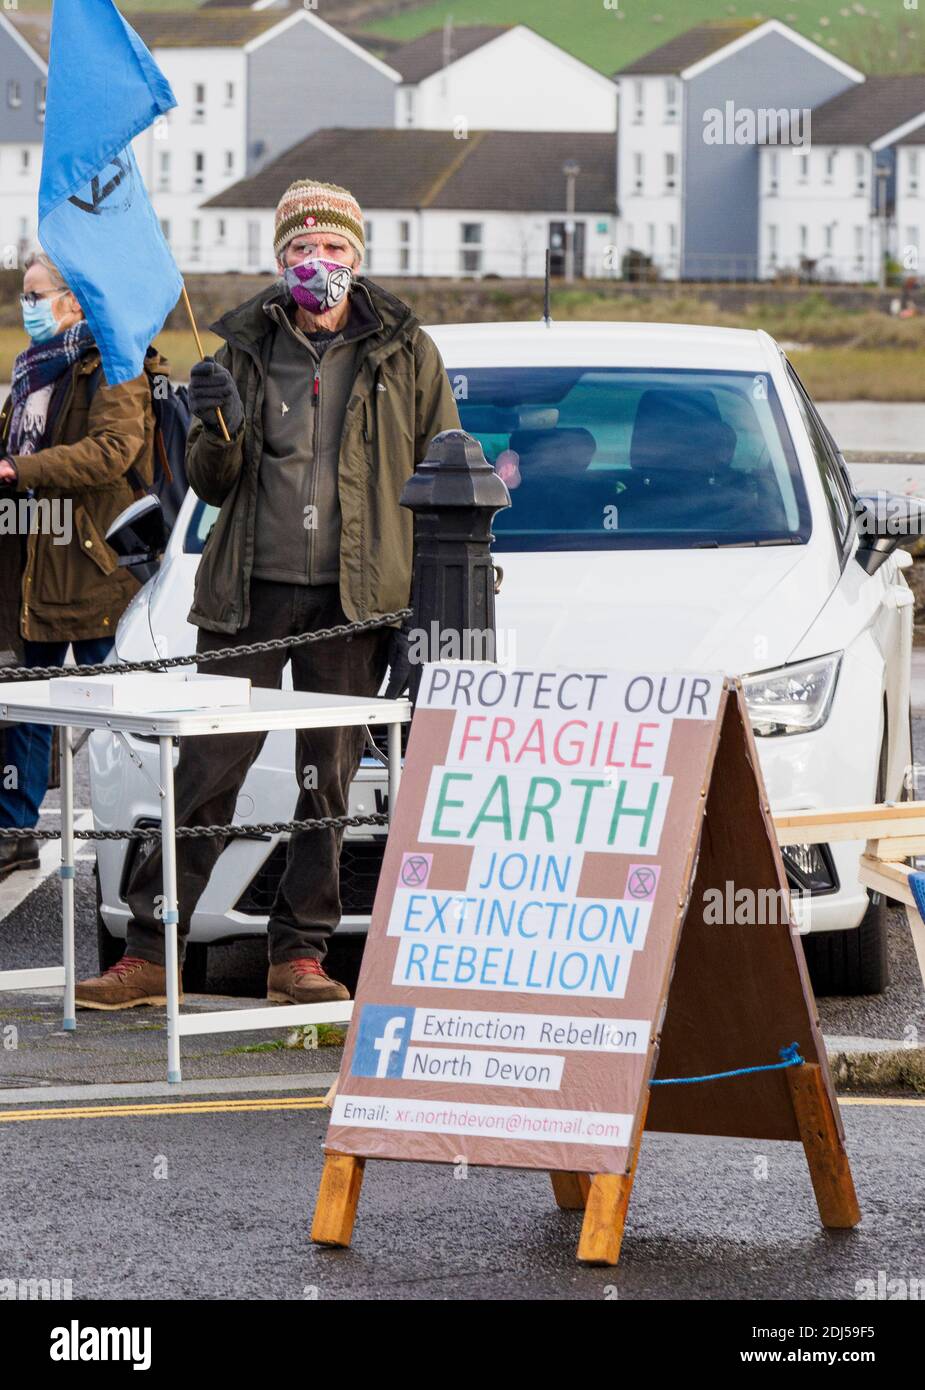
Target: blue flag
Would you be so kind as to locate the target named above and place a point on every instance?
(96, 221)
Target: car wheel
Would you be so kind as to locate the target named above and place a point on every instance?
(857, 961)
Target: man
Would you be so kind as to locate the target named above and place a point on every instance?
(331, 393)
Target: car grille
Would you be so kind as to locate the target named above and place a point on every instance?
(360, 863)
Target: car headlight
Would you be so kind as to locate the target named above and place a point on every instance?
(792, 699)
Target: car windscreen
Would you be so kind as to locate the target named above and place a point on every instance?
(605, 458)
(200, 524)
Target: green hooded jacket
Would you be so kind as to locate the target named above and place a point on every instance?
(401, 398)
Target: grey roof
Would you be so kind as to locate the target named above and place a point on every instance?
(869, 110)
(687, 48)
(423, 56)
(501, 170)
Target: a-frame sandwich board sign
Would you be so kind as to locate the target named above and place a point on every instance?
(581, 894)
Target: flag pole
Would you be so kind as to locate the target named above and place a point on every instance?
(199, 349)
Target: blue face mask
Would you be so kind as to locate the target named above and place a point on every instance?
(40, 322)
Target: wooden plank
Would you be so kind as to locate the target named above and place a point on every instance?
(824, 1147)
(850, 823)
(895, 846)
(338, 1195)
(571, 1190)
(886, 877)
(605, 1210)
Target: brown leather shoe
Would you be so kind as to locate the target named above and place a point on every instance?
(303, 981)
(128, 983)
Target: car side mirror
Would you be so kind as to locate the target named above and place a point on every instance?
(139, 537)
(884, 520)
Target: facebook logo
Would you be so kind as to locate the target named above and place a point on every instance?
(382, 1040)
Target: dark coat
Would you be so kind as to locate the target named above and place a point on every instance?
(401, 398)
(78, 590)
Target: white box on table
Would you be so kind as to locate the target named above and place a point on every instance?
(142, 690)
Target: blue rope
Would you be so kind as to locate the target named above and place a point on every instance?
(790, 1055)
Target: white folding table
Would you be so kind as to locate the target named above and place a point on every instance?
(28, 702)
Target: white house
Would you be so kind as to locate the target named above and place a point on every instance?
(242, 98)
(909, 244)
(497, 77)
(437, 205)
(23, 72)
(829, 206)
(688, 192)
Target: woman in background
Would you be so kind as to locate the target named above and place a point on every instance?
(68, 439)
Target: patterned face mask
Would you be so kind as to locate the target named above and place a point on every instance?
(318, 285)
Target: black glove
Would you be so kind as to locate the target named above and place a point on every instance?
(399, 663)
(212, 388)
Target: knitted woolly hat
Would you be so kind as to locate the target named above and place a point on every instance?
(309, 206)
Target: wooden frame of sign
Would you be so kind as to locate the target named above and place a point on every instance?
(729, 996)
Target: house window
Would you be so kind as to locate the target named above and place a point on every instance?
(40, 90)
(367, 237)
(913, 171)
(196, 246)
(650, 237)
(828, 238)
(163, 171)
(199, 170)
(639, 171)
(772, 243)
(13, 93)
(470, 256)
(165, 227)
(253, 244)
(671, 165)
(859, 244)
(830, 165)
(199, 102)
(229, 94)
(912, 236)
(408, 101)
(221, 231)
(404, 248)
(671, 99)
(25, 161)
(639, 102)
(804, 239)
(229, 163)
(773, 172)
(672, 237)
(860, 171)
(804, 168)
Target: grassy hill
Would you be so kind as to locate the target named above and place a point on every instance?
(879, 36)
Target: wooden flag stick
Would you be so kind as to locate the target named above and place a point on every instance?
(189, 310)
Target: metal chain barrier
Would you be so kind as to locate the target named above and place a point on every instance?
(166, 663)
(41, 673)
(212, 832)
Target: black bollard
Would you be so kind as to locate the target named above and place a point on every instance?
(453, 495)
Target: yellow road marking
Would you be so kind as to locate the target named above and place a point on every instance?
(877, 1100)
(187, 1107)
(219, 1107)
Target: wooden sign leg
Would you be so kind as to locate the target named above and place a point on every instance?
(825, 1153)
(571, 1190)
(336, 1207)
(605, 1211)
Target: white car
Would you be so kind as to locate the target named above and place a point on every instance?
(676, 503)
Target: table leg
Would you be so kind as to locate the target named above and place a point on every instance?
(394, 765)
(67, 870)
(171, 914)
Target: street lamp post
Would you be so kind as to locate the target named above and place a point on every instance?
(571, 171)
